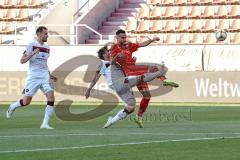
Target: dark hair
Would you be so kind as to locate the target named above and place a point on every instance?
(101, 52)
(120, 31)
(40, 29)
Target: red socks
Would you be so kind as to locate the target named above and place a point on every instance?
(143, 106)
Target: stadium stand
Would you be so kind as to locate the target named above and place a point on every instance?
(17, 13)
(180, 18)
(200, 18)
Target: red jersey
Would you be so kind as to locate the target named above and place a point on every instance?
(127, 50)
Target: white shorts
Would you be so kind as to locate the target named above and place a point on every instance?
(32, 85)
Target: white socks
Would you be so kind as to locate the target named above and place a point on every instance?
(48, 113)
(15, 105)
(119, 116)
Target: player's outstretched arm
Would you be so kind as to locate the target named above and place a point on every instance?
(149, 41)
(94, 81)
(26, 57)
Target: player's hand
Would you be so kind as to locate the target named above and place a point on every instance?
(87, 94)
(53, 78)
(35, 51)
(155, 39)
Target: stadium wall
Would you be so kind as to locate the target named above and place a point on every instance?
(61, 14)
(206, 73)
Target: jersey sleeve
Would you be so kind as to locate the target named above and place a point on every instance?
(100, 68)
(114, 52)
(28, 49)
(134, 47)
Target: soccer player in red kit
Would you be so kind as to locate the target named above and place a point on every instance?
(130, 68)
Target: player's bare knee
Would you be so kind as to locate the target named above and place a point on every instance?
(130, 108)
(26, 101)
(50, 97)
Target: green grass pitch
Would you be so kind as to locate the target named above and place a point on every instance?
(171, 132)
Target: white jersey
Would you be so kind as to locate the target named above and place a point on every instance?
(105, 70)
(38, 67)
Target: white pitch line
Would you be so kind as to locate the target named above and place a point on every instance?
(103, 134)
(114, 144)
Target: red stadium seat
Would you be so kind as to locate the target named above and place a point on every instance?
(169, 26)
(182, 12)
(195, 12)
(222, 24)
(168, 12)
(235, 38)
(2, 3)
(2, 14)
(182, 26)
(7, 28)
(180, 2)
(132, 39)
(234, 12)
(195, 26)
(9, 4)
(35, 4)
(196, 38)
(233, 1)
(131, 25)
(210, 38)
(221, 11)
(9, 15)
(154, 2)
(234, 25)
(206, 2)
(183, 38)
(208, 12)
(193, 2)
(22, 15)
(143, 27)
(144, 12)
(169, 39)
(22, 4)
(220, 2)
(157, 26)
(209, 25)
(156, 13)
(167, 2)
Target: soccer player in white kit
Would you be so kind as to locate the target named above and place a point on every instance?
(121, 84)
(38, 76)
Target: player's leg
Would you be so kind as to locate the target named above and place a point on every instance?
(122, 114)
(124, 91)
(49, 110)
(146, 77)
(26, 100)
(31, 88)
(141, 69)
(144, 90)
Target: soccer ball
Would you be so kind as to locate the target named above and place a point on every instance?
(221, 35)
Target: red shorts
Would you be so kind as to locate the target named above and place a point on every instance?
(137, 70)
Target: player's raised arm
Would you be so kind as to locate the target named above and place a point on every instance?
(26, 57)
(94, 81)
(149, 41)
